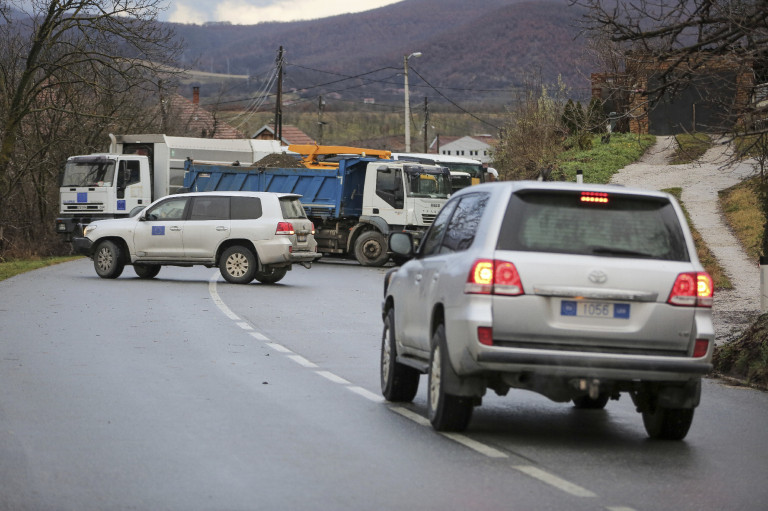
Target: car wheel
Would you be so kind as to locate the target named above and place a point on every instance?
(237, 265)
(446, 412)
(399, 383)
(146, 271)
(371, 249)
(668, 423)
(108, 260)
(270, 275)
(587, 403)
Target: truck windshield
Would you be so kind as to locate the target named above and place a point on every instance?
(430, 184)
(93, 172)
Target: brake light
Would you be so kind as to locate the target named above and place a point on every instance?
(485, 335)
(284, 228)
(594, 197)
(313, 228)
(700, 348)
(694, 289)
(493, 277)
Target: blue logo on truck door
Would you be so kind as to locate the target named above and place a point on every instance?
(121, 205)
(158, 230)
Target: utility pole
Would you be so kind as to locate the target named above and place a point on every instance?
(407, 101)
(279, 99)
(426, 122)
(320, 123)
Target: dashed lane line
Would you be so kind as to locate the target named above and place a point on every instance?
(479, 447)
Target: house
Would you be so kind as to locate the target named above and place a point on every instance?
(716, 94)
(477, 147)
(182, 117)
(291, 135)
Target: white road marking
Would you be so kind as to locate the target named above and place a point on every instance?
(217, 299)
(244, 325)
(367, 394)
(553, 480)
(415, 417)
(332, 377)
(278, 347)
(302, 361)
(483, 449)
(260, 337)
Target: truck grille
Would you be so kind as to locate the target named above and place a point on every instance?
(428, 219)
(83, 207)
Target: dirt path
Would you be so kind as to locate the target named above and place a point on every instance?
(736, 309)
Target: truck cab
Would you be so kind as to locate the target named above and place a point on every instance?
(100, 186)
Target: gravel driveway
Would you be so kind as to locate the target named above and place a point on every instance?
(736, 309)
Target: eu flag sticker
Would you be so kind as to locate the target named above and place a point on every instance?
(82, 196)
(567, 308)
(121, 205)
(621, 311)
(158, 230)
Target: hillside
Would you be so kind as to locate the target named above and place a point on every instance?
(479, 54)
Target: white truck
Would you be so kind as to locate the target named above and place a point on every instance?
(137, 170)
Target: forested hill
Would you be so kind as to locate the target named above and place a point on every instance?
(471, 49)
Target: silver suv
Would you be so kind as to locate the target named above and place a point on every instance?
(577, 292)
(248, 235)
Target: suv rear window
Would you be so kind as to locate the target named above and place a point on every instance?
(291, 208)
(622, 226)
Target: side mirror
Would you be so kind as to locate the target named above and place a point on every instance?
(401, 244)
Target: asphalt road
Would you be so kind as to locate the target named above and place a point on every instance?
(187, 393)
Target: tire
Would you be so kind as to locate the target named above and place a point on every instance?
(446, 412)
(270, 275)
(668, 423)
(146, 271)
(587, 403)
(108, 260)
(371, 249)
(399, 383)
(237, 265)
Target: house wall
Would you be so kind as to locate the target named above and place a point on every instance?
(468, 147)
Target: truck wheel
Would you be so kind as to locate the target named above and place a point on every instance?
(668, 423)
(446, 412)
(587, 403)
(146, 271)
(371, 249)
(270, 275)
(399, 383)
(108, 260)
(237, 265)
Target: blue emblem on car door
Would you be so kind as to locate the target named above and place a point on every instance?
(158, 230)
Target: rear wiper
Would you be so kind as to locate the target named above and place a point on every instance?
(619, 252)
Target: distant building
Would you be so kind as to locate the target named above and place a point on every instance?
(477, 147)
(182, 117)
(291, 135)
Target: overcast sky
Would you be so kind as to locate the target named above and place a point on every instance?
(250, 12)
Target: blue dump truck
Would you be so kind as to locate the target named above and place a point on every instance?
(355, 197)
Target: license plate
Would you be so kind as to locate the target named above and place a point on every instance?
(594, 309)
(301, 237)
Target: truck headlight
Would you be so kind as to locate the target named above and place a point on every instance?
(88, 229)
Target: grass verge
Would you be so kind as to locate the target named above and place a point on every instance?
(690, 147)
(707, 258)
(10, 268)
(602, 161)
(742, 213)
(746, 358)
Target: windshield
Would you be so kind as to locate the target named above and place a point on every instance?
(427, 183)
(473, 169)
(94, 172)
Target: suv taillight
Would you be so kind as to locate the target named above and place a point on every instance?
(313, 228)
(694, 289)
(493, 277)
(284, 228)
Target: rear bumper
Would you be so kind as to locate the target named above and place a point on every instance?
(305, 257)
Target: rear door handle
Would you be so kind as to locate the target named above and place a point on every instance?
(174, 228)
(221, 228)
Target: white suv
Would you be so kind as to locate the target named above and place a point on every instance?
(247, 235)
(579, 293)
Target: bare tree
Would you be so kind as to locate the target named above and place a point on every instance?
(69, 71)
(681, 38)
